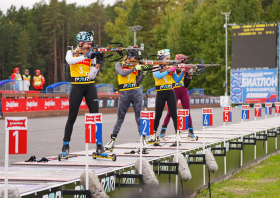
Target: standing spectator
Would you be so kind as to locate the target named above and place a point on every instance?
(16, 75)
(38, 80)
(26, 78)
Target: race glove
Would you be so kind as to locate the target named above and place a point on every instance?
(138, 67)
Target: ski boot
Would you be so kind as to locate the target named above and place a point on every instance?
(177, 140)
(100, 153)
(162, 132)
(191, 135)
(145, 148)
(110, 145)
(65, 151)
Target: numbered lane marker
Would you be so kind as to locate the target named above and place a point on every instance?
(207, 117)
(268, 108)
(245, 112)
(145, 123)
(182, 119)
(277, 107)
(93, 128)
(258, 110)
(227, 114)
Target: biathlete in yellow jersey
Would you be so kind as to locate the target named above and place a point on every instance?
(129, 79)
(182, 94)
(83, 70)
(165, 93)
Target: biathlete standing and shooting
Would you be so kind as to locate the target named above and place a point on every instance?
(181, 92)
(84, 65)
(165, 93)
(129, 79)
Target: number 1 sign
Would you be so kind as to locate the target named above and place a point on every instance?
(207, 116)
(17, 129)
(93, 127)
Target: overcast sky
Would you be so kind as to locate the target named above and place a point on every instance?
(6, 4)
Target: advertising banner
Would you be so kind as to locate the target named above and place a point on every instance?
(253, 86)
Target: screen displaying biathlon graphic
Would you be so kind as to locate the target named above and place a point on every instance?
(254, 46)
(253, 86)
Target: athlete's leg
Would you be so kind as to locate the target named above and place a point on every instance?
(76, 96)
(167, 117)
(92, 98)
(124, 102)
(185, 100)
(160, 103)
(137, 105)
(172, 104)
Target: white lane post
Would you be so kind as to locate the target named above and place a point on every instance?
(266, 137)
(225, 158)
(276, 133)
(141, 149)
(242, 133)
(6, 163)
(176, 190)
(255, 146)
(87, 180)
(204, 154)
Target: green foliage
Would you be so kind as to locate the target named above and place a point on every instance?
(190, 27)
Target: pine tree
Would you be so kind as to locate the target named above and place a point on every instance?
(52, 29)
(23, 50)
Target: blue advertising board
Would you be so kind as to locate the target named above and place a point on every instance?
(253, 86)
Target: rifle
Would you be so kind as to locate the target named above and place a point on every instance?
(112, 50)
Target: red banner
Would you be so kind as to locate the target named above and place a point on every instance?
(37, 104)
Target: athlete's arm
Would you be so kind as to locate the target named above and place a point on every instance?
(121, 72)
(73, 60)
(159, 75)
(93, 72)
(178, 78)
(187, 81)
(139, 78)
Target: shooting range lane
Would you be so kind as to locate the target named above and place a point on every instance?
(33, 177)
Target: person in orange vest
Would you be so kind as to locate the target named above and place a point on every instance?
(16, 75)
(38, 80)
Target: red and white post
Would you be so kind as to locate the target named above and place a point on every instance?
(277, 110)
(15, 142)
(227, 117)
(90, 136)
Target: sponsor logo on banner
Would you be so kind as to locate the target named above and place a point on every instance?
(49, 103)
(151, 102)
(64, 102)
(31, 104)
(12, 104)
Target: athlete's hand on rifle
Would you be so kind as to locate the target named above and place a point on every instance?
(138, 67)
(91, 54)
(173, 69)
(99, 58)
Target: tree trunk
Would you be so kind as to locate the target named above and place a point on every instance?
(55, 56)
(99, 33)
(62, 56)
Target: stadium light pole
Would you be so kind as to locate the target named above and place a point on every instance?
(134, 29)
(225, 26)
